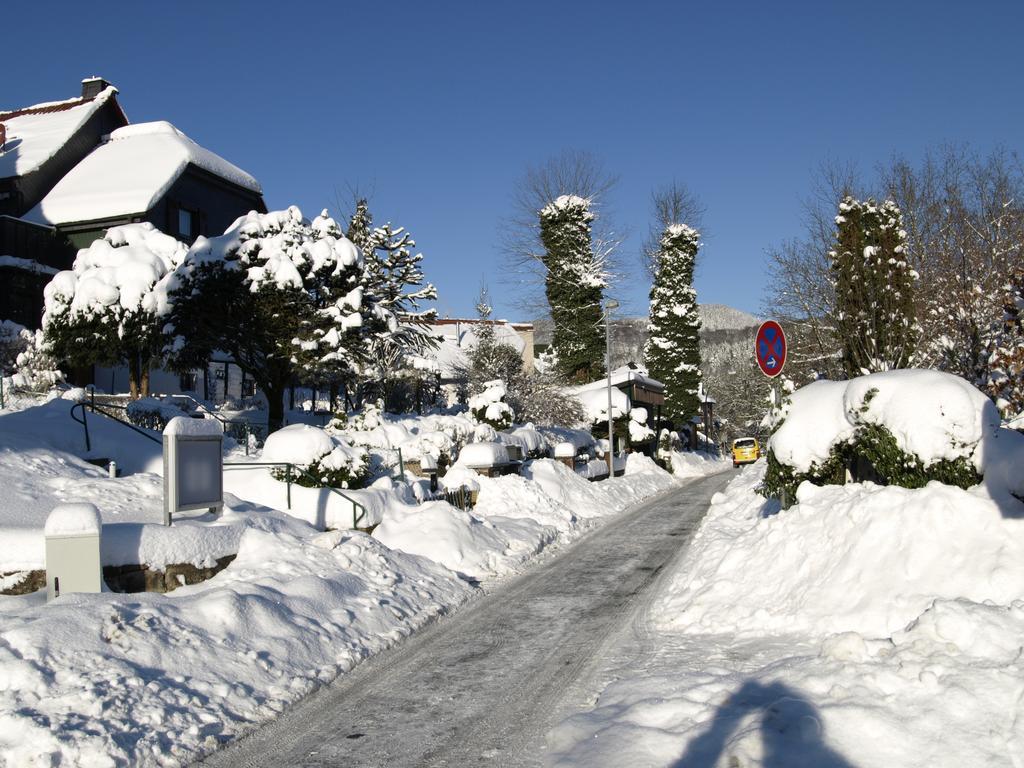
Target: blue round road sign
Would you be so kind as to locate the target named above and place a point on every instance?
(770, 348)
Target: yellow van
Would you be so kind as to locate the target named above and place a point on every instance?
(745, 450)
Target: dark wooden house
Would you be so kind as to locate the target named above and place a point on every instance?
(70, 170)
(38, 146)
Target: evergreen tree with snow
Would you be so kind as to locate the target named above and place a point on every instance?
(489, 358)
(672, 351)
(1005, 380)
(397, 332)
(280, 294)
(874, 288)
(108, 308)
(574, 285)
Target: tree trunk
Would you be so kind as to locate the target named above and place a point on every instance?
(133, 377)
(144, 382)
(275, 406)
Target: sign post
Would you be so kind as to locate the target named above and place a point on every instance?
(770, 349)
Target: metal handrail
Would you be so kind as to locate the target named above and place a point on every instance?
(202, 408)
(85, 425)
(133, 427)
(358, 509)
(82, 421)
(356, 506)
(245, 422)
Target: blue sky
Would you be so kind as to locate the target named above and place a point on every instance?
(438, 108)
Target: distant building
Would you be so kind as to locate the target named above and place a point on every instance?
(459, 335)
(70, 170)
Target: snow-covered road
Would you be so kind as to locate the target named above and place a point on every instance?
(486, 685)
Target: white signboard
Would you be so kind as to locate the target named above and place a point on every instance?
(193, 466)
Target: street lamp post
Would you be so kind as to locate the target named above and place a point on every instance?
(610, 305)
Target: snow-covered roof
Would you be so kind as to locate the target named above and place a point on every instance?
(625, 375)
(458, 336)
(36, 133)
(128, 174)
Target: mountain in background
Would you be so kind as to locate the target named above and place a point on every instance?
(721, 325)
(719, 317)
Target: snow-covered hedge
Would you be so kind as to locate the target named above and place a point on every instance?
(151, 413)
(911, 426)
(327, 460)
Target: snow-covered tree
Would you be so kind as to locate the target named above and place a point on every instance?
(25, 360)
(537, 396)
(874, 287)
(109, 307)
(394, 284)
(574, 285)
(490, 358)
(281, 294)
(14, 339)
(1005, 363)
(672, 351)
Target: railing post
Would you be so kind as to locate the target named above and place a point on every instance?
(246, 438)
(85, 424)
(401, 464)
(288, 471)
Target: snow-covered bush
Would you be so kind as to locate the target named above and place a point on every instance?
(639, 432)
(489, 407)
(14, 339)
(905, 428)
(326, 460)
(35, 370)
(151, 413)
(668, 443)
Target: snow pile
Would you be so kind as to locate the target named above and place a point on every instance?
(595, 404)
(483, 455)
(857, 557)
(471, 545)
(460, 476)
(122, 275)
(528, 438)
(806, 636)
(73, 520)
(695, 463)
(215, 659)
(515, 517)
(190, 427)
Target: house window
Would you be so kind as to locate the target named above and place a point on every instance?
(187, 221)
(248, 386)
(187, 381)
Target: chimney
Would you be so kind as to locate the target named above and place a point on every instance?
(93, 86)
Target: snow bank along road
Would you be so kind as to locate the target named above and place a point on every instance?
(486, 685)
